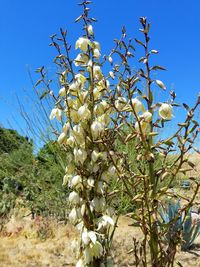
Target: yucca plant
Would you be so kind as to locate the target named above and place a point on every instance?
(179, 224)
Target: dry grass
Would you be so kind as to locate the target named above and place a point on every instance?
(25, 250)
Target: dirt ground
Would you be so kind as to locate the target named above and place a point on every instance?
(22, 248)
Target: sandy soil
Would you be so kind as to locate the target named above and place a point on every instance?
(24, 249)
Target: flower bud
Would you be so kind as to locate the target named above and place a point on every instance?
(161, 84)
(90, 29)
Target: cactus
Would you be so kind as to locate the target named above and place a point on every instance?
(178, 223)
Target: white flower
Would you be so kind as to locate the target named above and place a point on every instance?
(96, 53)
(137, 105)
(165, 111)
(90, 182)
(97, 72)
(97, 249)
(88, 236)
(74, 198)
(74, 215)
(84, 113)
(97, 128)
(56, 112)
(62, 91)
(96, 45)
(120, 103)
(90, 29)
(95, 155)
(98, 204)
(80, 263)
(70, 141)
(80, 155)
(80, 79)
(66, 179)
(147, 116)
(85, 237)
(66, 127)
(105, 221)
(74, 87)
(143, 125)
(81, 59)
(82, 43)
(61, 138)
(76, 181)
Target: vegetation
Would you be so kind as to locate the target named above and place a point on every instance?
(109, 150)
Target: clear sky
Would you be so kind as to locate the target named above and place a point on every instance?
(25, 27)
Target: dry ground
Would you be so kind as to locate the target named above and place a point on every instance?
(24, 249)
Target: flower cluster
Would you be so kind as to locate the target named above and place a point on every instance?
(92, 163)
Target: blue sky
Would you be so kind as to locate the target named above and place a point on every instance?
(25, 27)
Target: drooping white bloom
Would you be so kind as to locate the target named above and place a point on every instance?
(96, 53)
(97, 128)
(84, 113)
(82, 43)
(61, 138)
(80, 263)
(137, 104)
(90, 181)
(70, 141)
(66, 127)
(62, 91)
(76, 181)
(66, 178)
(81, 59)
(165, 111)
(143, 125)
(147, 116)
(98, 204)
(97, 72)
(56, 112)
(120, 103)
(88, 236)
(74, 215)
(74, 197)
(85, 237)
(96, 45)
(90, 29)
(96, 249)
(95, 155)
(80, 155)
(80, 79)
